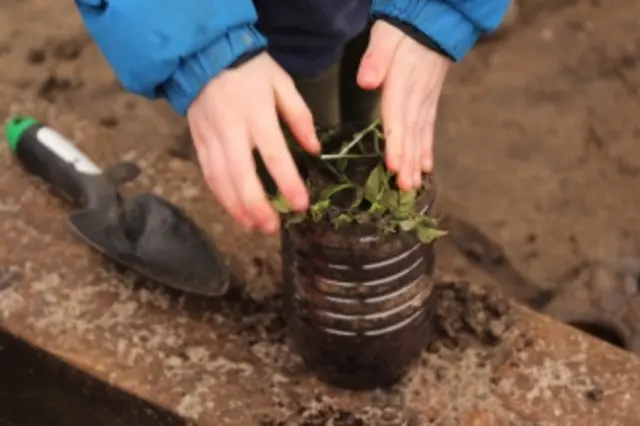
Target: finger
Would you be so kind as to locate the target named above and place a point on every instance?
(214, 168)
(427, 145)
(428, 132)
(244, 178)
(376, 61)
(215, 172)
(421, 126)
(195, 122)
(392, 110)
(435, 88)
(223, 189)
(410, 173)
(296, 114)
(279, 162)
(416, 150)
(422, 130)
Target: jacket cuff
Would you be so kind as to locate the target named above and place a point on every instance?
(449, 29)
(415, 34)
(195, 71)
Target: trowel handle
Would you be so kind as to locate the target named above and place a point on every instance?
(49, 155)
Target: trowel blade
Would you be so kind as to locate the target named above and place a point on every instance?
(157, 240)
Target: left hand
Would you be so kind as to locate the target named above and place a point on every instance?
(411, 77)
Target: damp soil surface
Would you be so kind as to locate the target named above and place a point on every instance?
(537, 156)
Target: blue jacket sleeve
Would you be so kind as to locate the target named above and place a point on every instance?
(169, 48)
(455, 25)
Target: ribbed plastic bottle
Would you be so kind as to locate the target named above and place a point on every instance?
(358, 304)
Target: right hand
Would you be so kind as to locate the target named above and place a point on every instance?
(236, 112)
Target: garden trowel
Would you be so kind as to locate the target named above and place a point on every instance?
(145, 232)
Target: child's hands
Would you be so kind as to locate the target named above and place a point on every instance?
(411, 77)
(236, 113)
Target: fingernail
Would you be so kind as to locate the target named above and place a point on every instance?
(368, 75)
(315, 143)
(300, 202)
(272, 227)
(392, 163)
(427, 165)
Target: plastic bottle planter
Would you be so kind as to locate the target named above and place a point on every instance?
(358, 303)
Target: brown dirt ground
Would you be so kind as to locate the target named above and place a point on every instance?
(537, 135)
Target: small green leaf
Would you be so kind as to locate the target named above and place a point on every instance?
(333, 190)
(389, 199)
(357, 199)
(330, 192)
(341, 220)
(377, 209)
(408, 224)
(427, 235)
(389, 228)
(341, 164)
(428, 221)
(376, 183)
(406, 201)
(322, 205)
(280, 204)
(295, 218)
(318, 209)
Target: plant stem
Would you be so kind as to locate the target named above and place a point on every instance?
(344, 152)
(334, 171)
(347, 156)
(376, 143)
(358, 137)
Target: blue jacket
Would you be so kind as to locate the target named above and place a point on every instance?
(172, 48)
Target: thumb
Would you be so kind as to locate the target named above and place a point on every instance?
(383, 43)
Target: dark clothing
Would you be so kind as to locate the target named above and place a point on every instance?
(307, 36)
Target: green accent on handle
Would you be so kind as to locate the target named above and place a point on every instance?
(15, 128)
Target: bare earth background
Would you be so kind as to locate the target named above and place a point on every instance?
(536, 139)
(537, 136)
